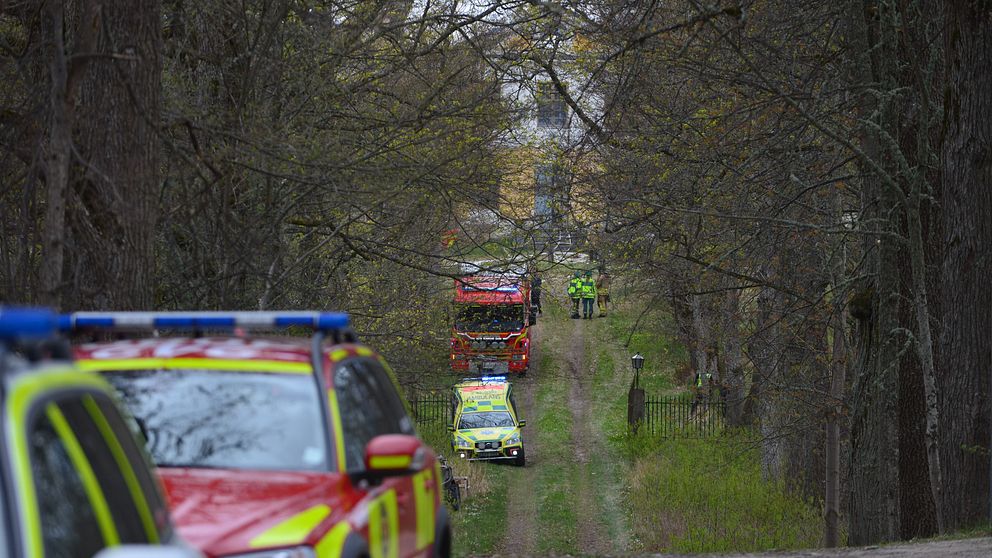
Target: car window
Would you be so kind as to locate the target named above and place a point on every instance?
(106, 470)
(227, 419)
(388, 393)
(485, 419)
(69, 528)
(368, 406)
(134, 452)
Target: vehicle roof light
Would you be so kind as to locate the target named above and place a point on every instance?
(26, 322)
(493, 289)
(202, 320)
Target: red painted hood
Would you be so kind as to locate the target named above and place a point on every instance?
(220, 511)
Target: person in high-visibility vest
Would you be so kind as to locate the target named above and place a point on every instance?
(588, 295)
(575, 293)
(703, 382)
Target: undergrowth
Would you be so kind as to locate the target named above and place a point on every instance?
(708, 496)
(699, 495)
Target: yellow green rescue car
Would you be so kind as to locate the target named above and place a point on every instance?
(485, 424)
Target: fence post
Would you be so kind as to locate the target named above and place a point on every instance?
(635, 407)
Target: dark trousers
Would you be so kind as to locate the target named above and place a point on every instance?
(575, 306)
(587, 307)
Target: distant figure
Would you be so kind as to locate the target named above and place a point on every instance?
(603, 290)
(703, 383)
(588, 295)
(535, 292)
(575, 293)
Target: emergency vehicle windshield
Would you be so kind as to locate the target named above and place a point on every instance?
(502, 318)
(486, 419)
(225, 419)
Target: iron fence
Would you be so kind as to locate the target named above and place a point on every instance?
(431, 409)
(683, 417)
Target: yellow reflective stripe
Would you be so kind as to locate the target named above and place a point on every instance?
(293, 530)
(332, 400)
(333, 542)
(86, 475)
(423, 493)
(24, 391)
(275, 366)
(339, 355)
(363, 351)
(384, 526)
(390, 461)
(133, 486)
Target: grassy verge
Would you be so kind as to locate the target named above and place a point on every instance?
(702, 495)
(481, 523)
(708, 496)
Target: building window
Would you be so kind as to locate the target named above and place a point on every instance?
(544, 181)
(550, 106)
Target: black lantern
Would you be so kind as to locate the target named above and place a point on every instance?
(637, 361)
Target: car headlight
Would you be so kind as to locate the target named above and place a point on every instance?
(512, 439)
(297, 552)
(464, 443)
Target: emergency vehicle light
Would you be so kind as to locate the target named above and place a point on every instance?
(27, 322)
(202, 320)
(502, 289)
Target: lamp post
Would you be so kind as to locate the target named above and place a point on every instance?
(635, 397)
(637, 361)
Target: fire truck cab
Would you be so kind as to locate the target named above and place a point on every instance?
(491, 330)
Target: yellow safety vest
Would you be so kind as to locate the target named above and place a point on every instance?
(588, 289)
(574, 287)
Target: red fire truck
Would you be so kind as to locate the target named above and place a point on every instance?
(491, 333)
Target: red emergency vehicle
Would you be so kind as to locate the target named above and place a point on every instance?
(491, 331)
(276, 447)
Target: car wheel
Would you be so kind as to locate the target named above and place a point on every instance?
(521, 459)
(442, 535)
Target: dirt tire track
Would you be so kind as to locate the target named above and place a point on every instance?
(592, 533)
(520, 538)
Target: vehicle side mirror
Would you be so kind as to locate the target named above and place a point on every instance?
(521, 424)
(391, 455)
(147, 551)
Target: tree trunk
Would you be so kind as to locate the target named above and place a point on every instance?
(838, 383)
(115, 195)
(918, 515)
(57, 156)
(966, 164)
(874, 505)
(875, 512)
(700, 334)
(765, 351)
(733, 360)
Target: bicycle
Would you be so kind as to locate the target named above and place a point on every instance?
(452, 494)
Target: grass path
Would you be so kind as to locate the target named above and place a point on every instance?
(571, 498)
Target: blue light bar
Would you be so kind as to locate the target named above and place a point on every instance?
(499, 289)
(20, 323)
(202, 320)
